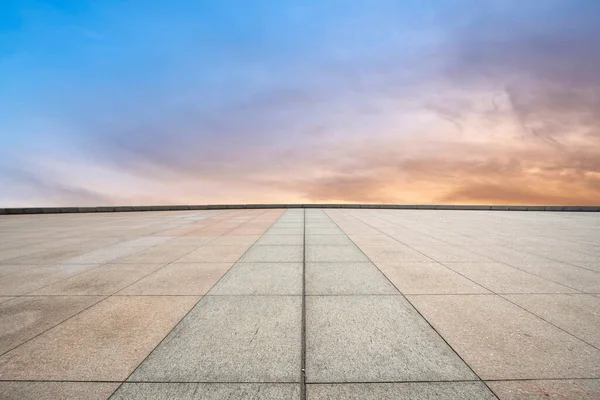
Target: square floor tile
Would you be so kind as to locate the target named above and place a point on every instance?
(578, 314)
(208, 391)
(261, 279)
(502, 341)
(374, 339)
(25, 317)
(290, 240)
(274, 254)
(56, 390)
(428, 278)
(400, 391)
(580, 389)
(104, 343)
(104, 280)
(231, 339)
(346, 278)
(26, 281)
(179, 279)
(393, 254)
(334, 254)
(235, 240)
(502, 278)
(212, 254)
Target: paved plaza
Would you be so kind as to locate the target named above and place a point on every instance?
(300, 303)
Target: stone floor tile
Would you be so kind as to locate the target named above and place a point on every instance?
(328, 240)
(7, 269)
(501, 278)
(374, 339)
(285, 231)
(579, 389)
(346, 278)
(25, 317)
(158, 255)
(400, 391)
(578, 314)
(56, 390)
(23, 282)
(502, 341)
(208, 391)
(393, 254)
(261, 279)
(231, 339)
(273, 254)
(451, 253)
(179, 279)
(104, 280)
(428, 278)
(104, 343)
(323, 231)
(334, 254)
(104, 255)
(234, 240)
(281, 240)
(211, 254)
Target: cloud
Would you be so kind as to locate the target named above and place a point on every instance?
(500, 105)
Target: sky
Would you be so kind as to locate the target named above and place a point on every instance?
(138, 102)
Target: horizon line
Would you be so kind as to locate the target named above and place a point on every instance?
(458, 207)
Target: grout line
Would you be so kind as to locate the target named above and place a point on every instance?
(298, 295)
(310, 383)
(418, 312)
(303, 320)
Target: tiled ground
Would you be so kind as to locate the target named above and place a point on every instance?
(292, 304)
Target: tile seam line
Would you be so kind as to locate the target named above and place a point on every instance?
(303, 316)
(415, 308)
(469, 250)
(503, 296)
(310, 383)
(309, 295)
(195, 305)
(104, 297)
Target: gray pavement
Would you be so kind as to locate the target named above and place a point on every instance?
(300, 303)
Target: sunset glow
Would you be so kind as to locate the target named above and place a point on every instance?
(193, 102)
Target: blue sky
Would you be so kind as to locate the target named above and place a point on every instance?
(139, 102)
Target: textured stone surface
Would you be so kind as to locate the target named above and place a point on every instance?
(501, 278)
(261, 278)
(25, 317)
(428, 278)
(56, 390)
(231, 339)
(273, 254)
(374, 339)
(577, 314)
(400, 391)
(502, 341)
(103, 343)
(204, 391)
(179, 279)
(579, 389)
(133, 280)
(346, 278)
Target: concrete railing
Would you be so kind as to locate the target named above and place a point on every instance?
(57, 210)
